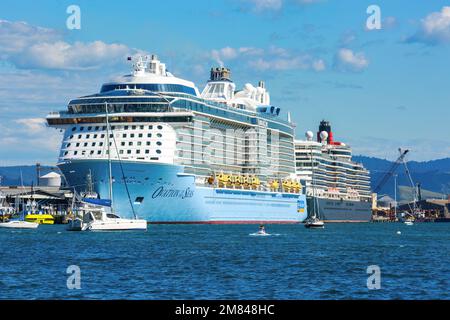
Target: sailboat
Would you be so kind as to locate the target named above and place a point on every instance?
(19, 223)
(313, 221)
(94, 213)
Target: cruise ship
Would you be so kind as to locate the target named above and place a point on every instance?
(181, 156)
(340, 185)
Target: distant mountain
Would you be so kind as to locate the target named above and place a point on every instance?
(434, 176)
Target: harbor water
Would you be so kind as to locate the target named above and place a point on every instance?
(226, 262)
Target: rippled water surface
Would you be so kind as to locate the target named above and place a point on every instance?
(226, 262)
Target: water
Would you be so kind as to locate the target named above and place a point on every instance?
(225, 262)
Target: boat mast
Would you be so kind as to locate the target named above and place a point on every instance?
(312, 183)
(109, 159)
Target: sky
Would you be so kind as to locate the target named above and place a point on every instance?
(381, 89)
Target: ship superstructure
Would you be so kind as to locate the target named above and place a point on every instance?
(341, 185)
(186, 156)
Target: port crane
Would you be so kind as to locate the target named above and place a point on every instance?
(415, 210)
(390, 172)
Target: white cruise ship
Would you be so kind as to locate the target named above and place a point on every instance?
(181, 156)
(341, 186)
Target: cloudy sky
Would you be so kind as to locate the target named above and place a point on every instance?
(381, 89)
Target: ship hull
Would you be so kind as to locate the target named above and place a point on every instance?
(162, 193)
(331, 210)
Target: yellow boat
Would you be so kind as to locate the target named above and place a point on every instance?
(40, 218)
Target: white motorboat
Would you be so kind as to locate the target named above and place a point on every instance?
(19, 224)
(96, 218)
(409, 223)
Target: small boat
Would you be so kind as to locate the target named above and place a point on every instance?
(19, 224)
(40, 218)
(314, 223)
(409, 223)
(96, 218)
(261, 232)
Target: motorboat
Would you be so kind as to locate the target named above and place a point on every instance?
(19, 224)
(97, 218)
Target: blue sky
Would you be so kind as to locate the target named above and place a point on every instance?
(381, 89)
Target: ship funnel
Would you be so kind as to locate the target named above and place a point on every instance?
(220, 74)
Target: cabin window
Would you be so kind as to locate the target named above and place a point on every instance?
(139, 200)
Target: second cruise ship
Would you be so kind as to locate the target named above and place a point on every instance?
(340, 186)
(181, 156)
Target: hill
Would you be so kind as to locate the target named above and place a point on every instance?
(434, 176)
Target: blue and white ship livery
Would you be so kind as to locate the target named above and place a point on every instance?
(181, 156)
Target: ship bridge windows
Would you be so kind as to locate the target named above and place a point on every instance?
(156, 87)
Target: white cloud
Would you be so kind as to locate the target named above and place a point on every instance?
(347, 60)
(32, 125)
(259, 6)
(319, 65)
(434, 28)
(17, 36)
(28, 140)
(32, 47)
(263, 5)
(389, 22)
(273, 58)
(77, 56)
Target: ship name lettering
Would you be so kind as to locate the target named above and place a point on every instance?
(172, 193)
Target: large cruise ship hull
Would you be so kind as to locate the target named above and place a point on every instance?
(162, 193)
(332, 210)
